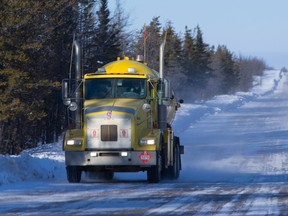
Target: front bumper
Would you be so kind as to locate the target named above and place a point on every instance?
(110, 158)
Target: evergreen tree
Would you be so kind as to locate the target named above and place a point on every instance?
(229, 70)
(173, 49)
(86, 30)
(106, 41)
(201, 70)
(173, 53)
(120, 21)
(17, 107)
(60, 23)
(188, 53)
(150, 36)
(214, 83)
(28, 77)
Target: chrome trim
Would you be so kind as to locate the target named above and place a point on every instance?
(110, 108)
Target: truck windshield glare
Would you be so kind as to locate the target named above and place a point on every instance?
(115, 88)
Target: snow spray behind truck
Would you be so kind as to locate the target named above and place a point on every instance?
(120, 121)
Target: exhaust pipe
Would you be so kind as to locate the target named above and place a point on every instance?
(161, 60)
(162, 114)
(77, 48)
(77, 116)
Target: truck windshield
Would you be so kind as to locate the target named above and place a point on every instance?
(115, 88)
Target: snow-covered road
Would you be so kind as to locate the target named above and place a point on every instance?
(235, 163)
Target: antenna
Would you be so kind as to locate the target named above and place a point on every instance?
(145, 36)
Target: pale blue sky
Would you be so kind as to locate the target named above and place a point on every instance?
(247, 27)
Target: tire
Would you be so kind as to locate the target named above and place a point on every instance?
(73, 174)
(176, 170)
(154, 172)
(173, 172)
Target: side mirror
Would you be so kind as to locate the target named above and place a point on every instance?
(146, 107)
(167, 89)
(65, 93)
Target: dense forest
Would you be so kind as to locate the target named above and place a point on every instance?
(35, 50)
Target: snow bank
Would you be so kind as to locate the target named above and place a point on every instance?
(44, 162)
(47, 161)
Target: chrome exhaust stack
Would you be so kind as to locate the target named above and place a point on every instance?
(164, 93)
(72, 88)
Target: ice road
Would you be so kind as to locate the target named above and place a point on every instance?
(235, 163)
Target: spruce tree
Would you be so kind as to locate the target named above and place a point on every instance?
(86, 30)
(120, 22)
(188, 54)
(59, 26)
(229, 70)
(18, 108)
(201, 70)
(32, 61)
(106, 41)
(173, 57)
(149, 38)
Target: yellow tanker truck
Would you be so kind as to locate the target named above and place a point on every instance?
(120, 121)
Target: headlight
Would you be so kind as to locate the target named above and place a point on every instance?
(124, 154)
(147, 141)
(74, 142)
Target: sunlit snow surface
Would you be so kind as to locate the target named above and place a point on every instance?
(243, 149)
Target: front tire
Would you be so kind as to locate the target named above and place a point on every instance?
(73, 174)
(154, 172)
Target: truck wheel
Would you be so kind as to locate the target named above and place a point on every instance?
(173, 172)
(73, 174)
(176, 166)
(154, 172)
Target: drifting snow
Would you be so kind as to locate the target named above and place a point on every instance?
(47, 161)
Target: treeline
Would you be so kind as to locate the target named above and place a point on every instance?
(197, 69)
(35, 53)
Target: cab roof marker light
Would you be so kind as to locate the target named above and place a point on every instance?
(102, 69)
(131, 70)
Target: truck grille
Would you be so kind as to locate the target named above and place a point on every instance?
(109, 133)
(104, 133)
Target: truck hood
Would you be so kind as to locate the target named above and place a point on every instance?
(120, 104)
